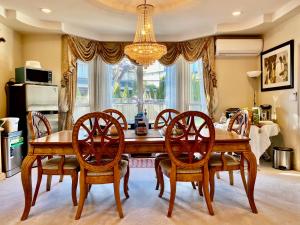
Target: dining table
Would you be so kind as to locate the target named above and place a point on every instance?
(60, 143)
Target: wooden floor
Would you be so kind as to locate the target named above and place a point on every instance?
(277, 198)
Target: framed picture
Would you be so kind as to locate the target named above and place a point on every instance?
(277, 66)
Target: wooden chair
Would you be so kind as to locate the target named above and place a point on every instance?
(118, 116)
(240, 123)
(162, 120)
(99, 155)
(39, 126)
(196, 137)
(123, 122)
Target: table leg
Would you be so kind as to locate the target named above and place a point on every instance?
(252, 171)
(26, 182)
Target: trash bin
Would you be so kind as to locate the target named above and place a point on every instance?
(282, 158)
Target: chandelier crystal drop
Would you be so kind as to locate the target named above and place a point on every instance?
(144, 49)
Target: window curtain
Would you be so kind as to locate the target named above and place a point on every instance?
(103, 82)
(171, 87)
(183, 84)
(75, 48)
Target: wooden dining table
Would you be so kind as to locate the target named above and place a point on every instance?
(60, 143)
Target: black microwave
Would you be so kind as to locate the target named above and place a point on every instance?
(33, 75)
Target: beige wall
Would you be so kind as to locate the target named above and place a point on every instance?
(235, 88)
(11, 56)
(287, 110)
(45, 48)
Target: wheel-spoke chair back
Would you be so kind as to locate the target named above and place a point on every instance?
(118, 116)
(193, 137)
(241, 123)
(98, 147)
(39, 125)
(165, 117)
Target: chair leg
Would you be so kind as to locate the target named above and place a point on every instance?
(117, 195)
(218, 175)
(193, 185)
(212, 184)
(90, 187)
(87, 186)
(38, 184)
(173, 193)
(200, 188)
(161, 182)
(82, 195)
(206, 191)
(231, 177)
(156, 165)
(61, 178)
(126, 178)
(74, 187)
(49, 179)
(242, 171)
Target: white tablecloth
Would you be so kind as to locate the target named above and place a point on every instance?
(260, 137)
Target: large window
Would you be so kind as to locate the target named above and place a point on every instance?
(131, 89)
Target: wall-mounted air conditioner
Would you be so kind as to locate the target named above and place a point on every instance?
(239, 47)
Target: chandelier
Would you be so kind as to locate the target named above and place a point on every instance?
(144, 49)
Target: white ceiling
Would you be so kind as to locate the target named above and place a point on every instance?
(174, 20)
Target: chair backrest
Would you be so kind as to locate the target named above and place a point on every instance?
(196, 136)
(38, 125)
(97, 149)
(165, 117)
(118, 116)
(241, 123)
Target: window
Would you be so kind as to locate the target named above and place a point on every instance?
(124, 92)
(154, 82)
(83, 92)
(136, 88)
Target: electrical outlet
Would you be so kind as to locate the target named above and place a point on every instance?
(293, 96)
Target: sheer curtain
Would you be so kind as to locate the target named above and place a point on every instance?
(103, 85)
(203, 101)
(171, 87)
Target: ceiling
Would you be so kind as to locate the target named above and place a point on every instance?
(174, 20)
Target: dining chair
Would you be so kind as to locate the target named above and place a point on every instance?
(123, 122)
(196, 137)
(162, 120)
(240, 123)
(39, 126)
(99, 154)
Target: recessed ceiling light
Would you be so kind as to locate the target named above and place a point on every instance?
(237, 13)
(45, 10)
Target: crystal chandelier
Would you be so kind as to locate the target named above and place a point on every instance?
(145, 50)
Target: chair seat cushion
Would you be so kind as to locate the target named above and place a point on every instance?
(215, 160)
(166, 165)
(166, 156)
(69, 163)
(122, 166)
